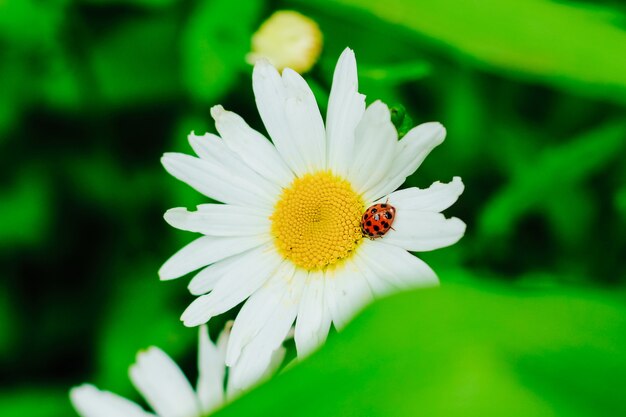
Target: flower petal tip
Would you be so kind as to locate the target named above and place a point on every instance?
(263, 64)
(80, 390)
(191, 321)
(458, 182)
(460, 224)
(347, 52)
(175, 216)
(165, 274)
(217, 111)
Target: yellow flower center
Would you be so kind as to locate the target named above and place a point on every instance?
(317, 221)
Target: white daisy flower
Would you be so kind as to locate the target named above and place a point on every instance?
(164, 386)
(288, 237)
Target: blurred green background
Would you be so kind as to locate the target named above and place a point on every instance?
(531, 315)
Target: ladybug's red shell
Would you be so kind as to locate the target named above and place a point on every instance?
(377, 220)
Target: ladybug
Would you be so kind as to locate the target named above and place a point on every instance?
(377, 220)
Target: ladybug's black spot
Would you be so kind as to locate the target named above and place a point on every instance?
(376, 228)
(365, 216)
(370, 233)
(380, 233)
(373, 210)
(385, 225)
(388, 215)
(369, 223)
(383, 205)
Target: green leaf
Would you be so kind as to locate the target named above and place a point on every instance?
(7, 324)
(539, 179)
(401, 120)
(142, 313)
(103, 182)
(458, 350)
(59, 85)
(144, 3)
(396, 73)
(31, 23)
(25, 210)
(214, 45)
(137, 62)
(620, 202)
(13, 78)
(31, 58)
(576, 47)
(35, 402)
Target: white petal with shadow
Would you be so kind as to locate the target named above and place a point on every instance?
(261, 338)
(206, 250)
(375, 148)
(220, 220)
(215, 181)
(211, 373)
(420, 231)
(213, 149)
(271, 97)
(237, 284)
(268, 312)
(411, 151)
(347, 292)
(313, 322)
(438, 197)
(305, 121)
(251, 146)
(89, 401)
(163, 385)
(345, 109)
(395, 266)
(205, 280)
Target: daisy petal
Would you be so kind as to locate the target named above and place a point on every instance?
(89, 401)
(237, 284)
(381, 286)
(420, 231)
(347, 292)
(205, 280)
(206, 250)
(270, 95)
(214, 180)
(314, 319)
(163, 385)
(251, 146)
(435, 198)
(275, 361)
(252, 368)
(213, 149)
(257, 341)
(345, 109)
(375, 147)
(305, 121)
(268, 313)
(395, 266)
(211, 371)
(222, 340)
(270, 367)
(220, 220)
(410, 153)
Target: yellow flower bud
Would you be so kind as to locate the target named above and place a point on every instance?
(287, 39)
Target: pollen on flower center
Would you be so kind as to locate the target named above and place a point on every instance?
(316, 221)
